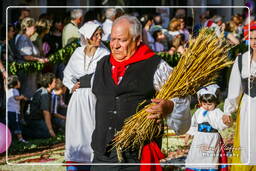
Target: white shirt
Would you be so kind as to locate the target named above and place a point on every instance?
(13, 104)
(70, 32)
(235, 89)
(179, 120)
(107, 26)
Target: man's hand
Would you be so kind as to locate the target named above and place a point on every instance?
(160, 109)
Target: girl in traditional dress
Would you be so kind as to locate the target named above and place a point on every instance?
(78, 77)
(206, 122)
(242, 99)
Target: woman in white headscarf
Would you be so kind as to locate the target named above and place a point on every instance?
(78, 77)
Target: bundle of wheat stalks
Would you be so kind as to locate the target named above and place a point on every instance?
(206, 54)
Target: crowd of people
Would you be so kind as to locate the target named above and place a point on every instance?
(89, 97)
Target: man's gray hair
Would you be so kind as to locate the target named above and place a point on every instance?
(136, 27)
(110, 13)
(216, 18)
(76, 13)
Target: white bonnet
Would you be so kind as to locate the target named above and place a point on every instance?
(210, 89)
(88, 29)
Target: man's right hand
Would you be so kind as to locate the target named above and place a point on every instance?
(76, 86)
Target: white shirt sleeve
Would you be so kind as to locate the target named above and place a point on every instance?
(16, 92)
(179, 120)
(69, 72)
(194, 125)
(161, 75)
(217, 121)
(234, 90)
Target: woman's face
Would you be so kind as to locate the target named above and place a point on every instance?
(96, 38)
(253, 40)
(182, 24)
(30, 31)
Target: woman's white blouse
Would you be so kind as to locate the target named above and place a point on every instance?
(235, 89)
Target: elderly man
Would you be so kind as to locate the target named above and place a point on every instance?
(70, 31)
(130, 74)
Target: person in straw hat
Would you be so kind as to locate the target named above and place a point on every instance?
(78, 78)
(131, 74)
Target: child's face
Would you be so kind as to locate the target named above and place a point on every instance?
(160, 36)
(18, 85)
(208, 106)
(53, 84)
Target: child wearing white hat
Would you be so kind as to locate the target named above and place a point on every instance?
(207, 144)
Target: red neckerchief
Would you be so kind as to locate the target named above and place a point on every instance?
(151, 153)
(118, 68)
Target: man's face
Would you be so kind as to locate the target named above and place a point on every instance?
(253, 39)
(122, 44)
(80, 20)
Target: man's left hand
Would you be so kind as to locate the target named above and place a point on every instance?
(160, 109)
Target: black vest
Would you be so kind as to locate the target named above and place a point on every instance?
(115, 103)
(248, 84)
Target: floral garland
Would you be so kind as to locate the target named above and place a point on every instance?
(64, 54)
(172, 60)
(61, 55)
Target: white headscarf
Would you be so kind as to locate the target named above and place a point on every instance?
(87, 30)
(210, 89)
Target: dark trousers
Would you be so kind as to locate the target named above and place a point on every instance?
(36, 129)
(129, 157)
(14, 122)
